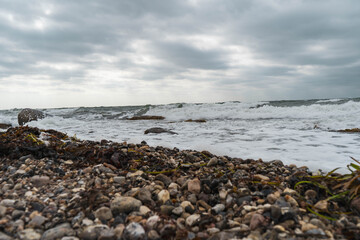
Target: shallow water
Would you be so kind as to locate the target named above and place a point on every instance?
(298, 132)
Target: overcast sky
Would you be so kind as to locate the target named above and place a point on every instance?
(57, 53)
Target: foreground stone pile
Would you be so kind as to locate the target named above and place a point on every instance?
(56, 187)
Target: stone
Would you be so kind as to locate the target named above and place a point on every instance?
(2, 211)
(178, 211)
(153, 235)
(260, 177)
(291, 200)
(152, 221)
(173, 189)
(134, 231)
(158, 130)
(26, 115)
(5, 126)
(355, 204)
(37, 221)
(163, 196)
(166, 209)
(188, 207)
(322, 205)
(103, 213)
(39, 181)
(192, 220)
(107, 234)
(144, 210)
(93, 232)
(144, 195)
(29, 234)
(307, 226)
(310, 195)
(217, 208)
(124, 205)
(256, 221)
(194, 186)
(8, 202)
(146, 117)
(59, 231)
(70, 238)
(120, 180)
(3, 236)
(212, 162)
(163, 178)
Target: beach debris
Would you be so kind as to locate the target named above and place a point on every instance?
(196, 120)
(27, 114)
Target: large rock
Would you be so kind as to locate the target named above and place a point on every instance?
(26, 115)
(5, 125)
(158, 130)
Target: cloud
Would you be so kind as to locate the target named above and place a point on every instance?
(259, 49)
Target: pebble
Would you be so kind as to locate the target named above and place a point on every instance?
(125, 204)
(119, 180)
(164, 196)
(192, 220)
(39, 181)
(93, 232)
(103, 213)
(212, 162)
(256, 221)
(218, 208)
(29, 234)
(194, 186)
(134, 231)
(178, 211)
(59, 231)
(260, 177)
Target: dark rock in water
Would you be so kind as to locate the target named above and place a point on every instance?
(4, 125)
(196, 120)
(158, 130)
(26, 115)
(145, 117)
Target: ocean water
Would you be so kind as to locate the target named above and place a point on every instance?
(295, 132)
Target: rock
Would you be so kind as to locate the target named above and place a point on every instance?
(158, 130)
(256, 221)
(163, 196)
(134, 231)
(3, 236)
(8, 202)
(59, 231)
(29, 234)
(310, 195)
(355, 204)
(144, 210)
(37, 221)
(153, 235)
(166, 209)
(178, 211)
(188, 207)
(93, 232)
(173, 189)
(103, 213)
(217, 208)
(39, 181)
(260, 177)
(26, 115)
(192, 220)
(212, 162)
(152, 221)
(163, 178)
(70, 238)
(120, 180)
(147, 117)
(322, 205)
(2, 211)
(144, 195)
(307, 226)
(124, 205)
(194, 186)
(196, 120)
(5, 126)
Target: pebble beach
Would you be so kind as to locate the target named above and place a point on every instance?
(53, 186)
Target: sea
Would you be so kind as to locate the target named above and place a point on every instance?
(300, 132)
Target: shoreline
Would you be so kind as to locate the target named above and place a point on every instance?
(53, 186)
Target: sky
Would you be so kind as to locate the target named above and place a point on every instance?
(66, 53)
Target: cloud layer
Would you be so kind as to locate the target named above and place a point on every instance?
(71, 53)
